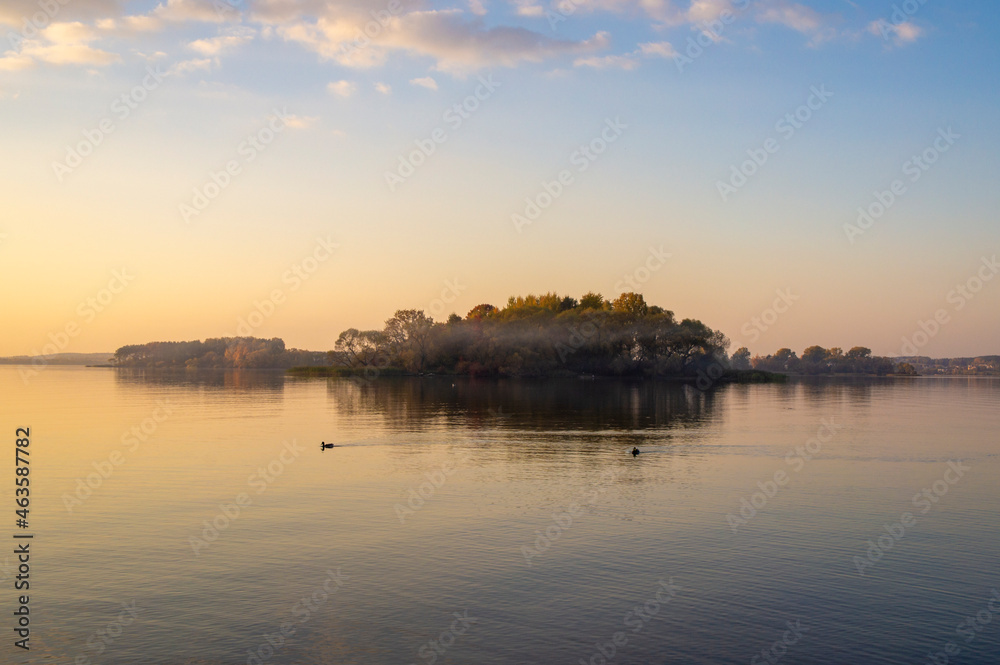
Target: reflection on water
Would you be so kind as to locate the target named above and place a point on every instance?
(556, 404)
(208, 378)
(516, 502)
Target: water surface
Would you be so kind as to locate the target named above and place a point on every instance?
(439, 491)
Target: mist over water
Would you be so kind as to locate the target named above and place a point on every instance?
(464, 521)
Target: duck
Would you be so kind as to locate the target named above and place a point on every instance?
(635, 451)
(323, 445)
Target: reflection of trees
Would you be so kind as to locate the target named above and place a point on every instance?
(262, 380)
(545, 405)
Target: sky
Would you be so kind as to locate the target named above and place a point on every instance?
(789, 173)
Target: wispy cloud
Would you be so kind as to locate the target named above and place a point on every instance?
(342, 88)
(425, 82)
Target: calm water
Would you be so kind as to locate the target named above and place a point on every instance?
(510, 460)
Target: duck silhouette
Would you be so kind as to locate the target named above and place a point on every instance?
(635, 451)
(323, 445)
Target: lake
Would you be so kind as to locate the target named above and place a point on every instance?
(192, 518)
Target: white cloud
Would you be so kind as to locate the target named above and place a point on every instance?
(68, 44)
(627, 61)
(384, 88)
(456, 42)
(425, 82)
(300, 122)
(791, 15)
(69, 54)
(661, 49)
(631, 60)
(899, 34)
(188, 66)
(230, 39)
(12, 61)
(342, 88)
(204, 11)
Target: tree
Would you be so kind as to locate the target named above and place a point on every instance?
(408, 334)
(815, 354)
(360, 348)
(859, 353)
(741, 358)
(479, 312)
(591, 300)
(631, 304)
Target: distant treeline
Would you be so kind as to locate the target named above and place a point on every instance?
(988, 365)
(531, 336)
(538, 336)
(217, 353)
(817, 360)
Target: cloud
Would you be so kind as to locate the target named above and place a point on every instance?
(384, 88)
(661, 49)
(425, 82)
(68, 44)
(631, 60)
(215, 45)
(794, 16)
(900, 34)
(13, 61)
(188, 66)
(342, 88)
(627, 61)
(203, 11)
(454, 40)
(69, 54)
(300, 122)
(459, 45)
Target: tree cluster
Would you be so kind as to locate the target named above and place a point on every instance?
(216, 353)
(539, 335)
(817, 360)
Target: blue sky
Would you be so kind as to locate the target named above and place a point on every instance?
(346, 116)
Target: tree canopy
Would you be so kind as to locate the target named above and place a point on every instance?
(536, 335)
